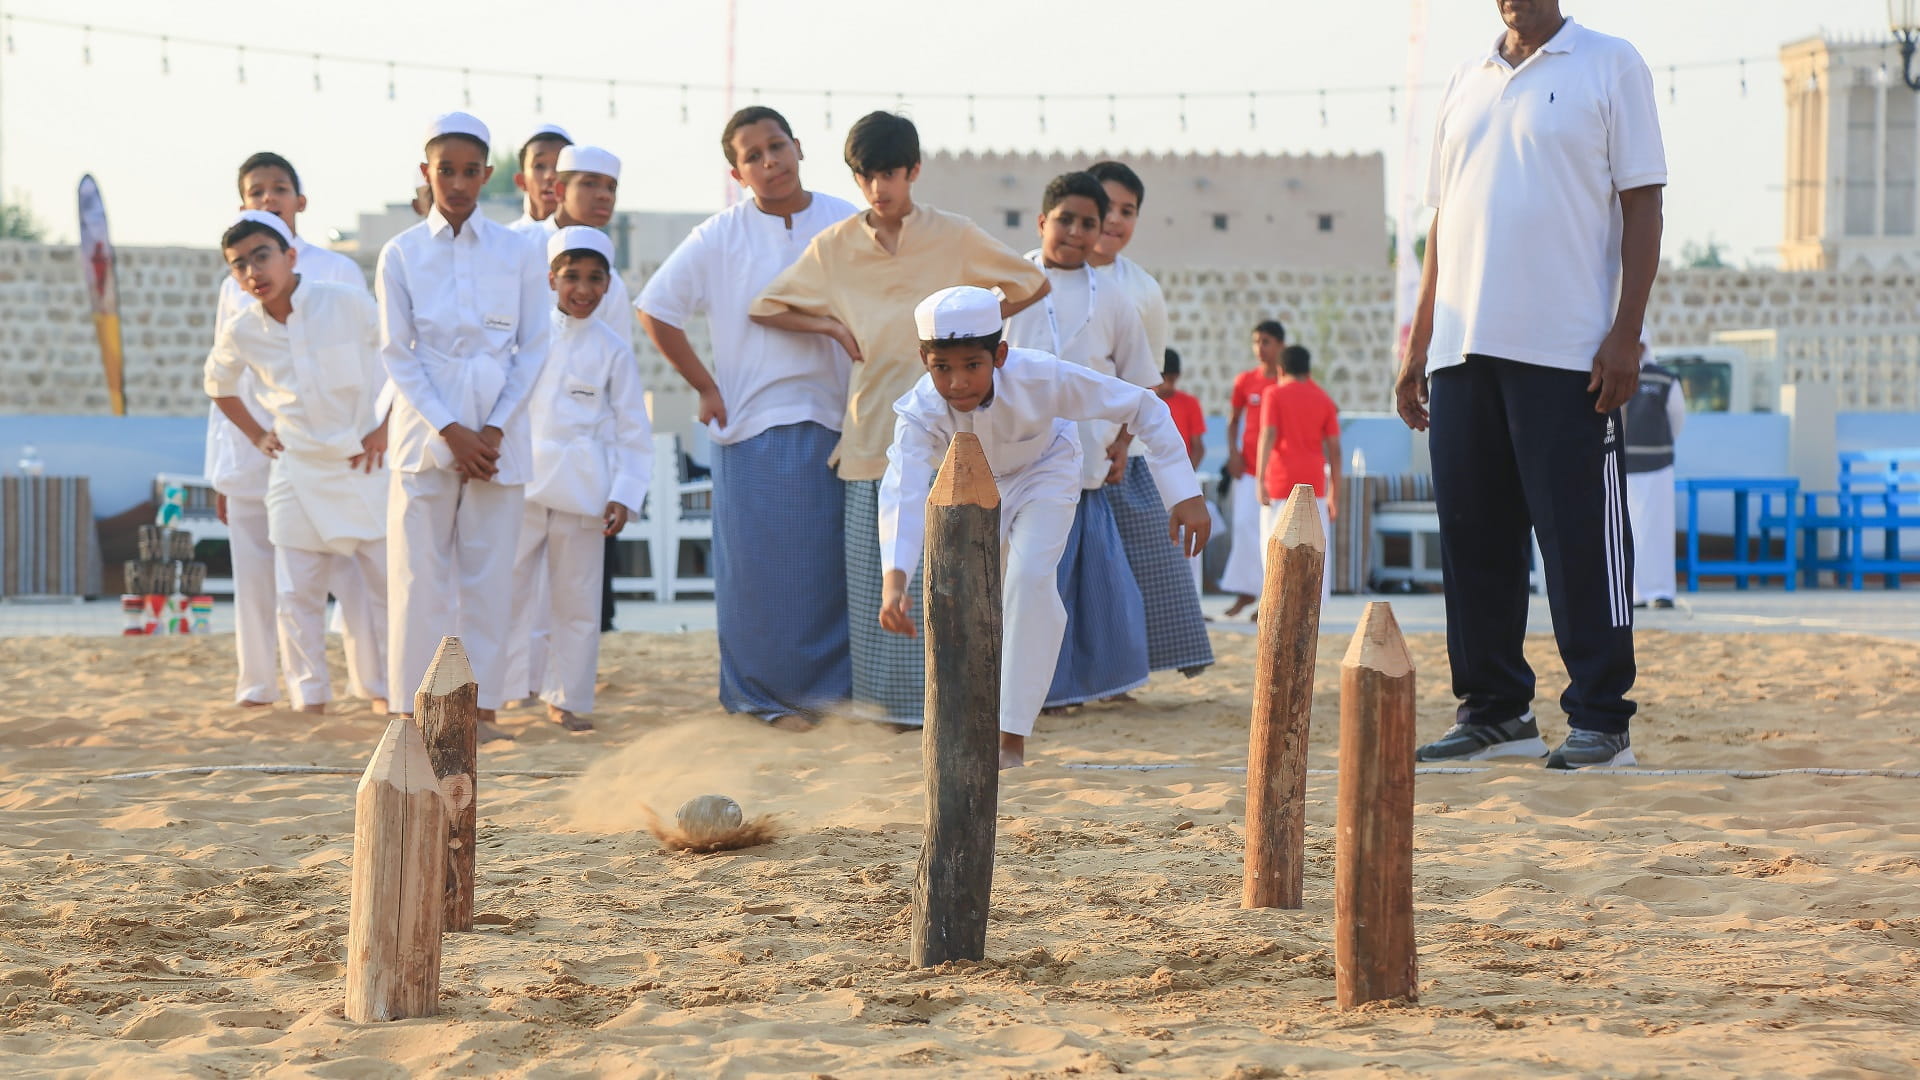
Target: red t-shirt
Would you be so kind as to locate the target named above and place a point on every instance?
(1248, 386)
(1302, 415)
(1187, 415)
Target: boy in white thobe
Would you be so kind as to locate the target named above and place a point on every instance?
(592, 449)
(238, 472)
(312, 349)
(539, 153)
(1022, 405)
(586, 182)
(463, 331)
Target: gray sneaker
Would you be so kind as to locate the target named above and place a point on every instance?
(1584, 749)
(1518, 737)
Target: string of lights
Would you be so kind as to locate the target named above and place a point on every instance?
(167, 47)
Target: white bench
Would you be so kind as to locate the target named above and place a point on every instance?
(1419, 522)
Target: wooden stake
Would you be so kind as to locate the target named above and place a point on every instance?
(448, 706)
(1373, 950)
(399, 863)
(1283, 707)
(961, 744)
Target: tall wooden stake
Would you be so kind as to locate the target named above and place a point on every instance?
(1283, 707)
(448, 707)
(399, 862)
(961, 744)
(1373, 949)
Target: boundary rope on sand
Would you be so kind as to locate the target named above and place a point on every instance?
(1427, 770)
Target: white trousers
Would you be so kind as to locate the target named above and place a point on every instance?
(1270, 520)
(360, 598)
(254, 634)
(1033, 535)
(553, 647)
(1650, 510)
(450, 548)
(1242, 573)
(302, 580)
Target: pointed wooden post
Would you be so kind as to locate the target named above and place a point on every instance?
(448, 707)
(1283, 707)
(1373, 948)
(961, 744)
(399, 863)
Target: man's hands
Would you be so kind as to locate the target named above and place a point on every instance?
(894, 616)
(476, 454)
(838, 331)
(268, 443)
(1189, 517)
(1265, 499)
(1616, 371)
(712, 409)
(1410, 392)
(1236, 465)
(1117, 457)
(373, 450)
(615, 517)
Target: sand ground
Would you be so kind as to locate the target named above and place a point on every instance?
(1607, 926)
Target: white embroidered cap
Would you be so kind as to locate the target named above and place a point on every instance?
(459, 123)
(588, 159)
(963, 311)
(272, 221)
(547, 131)
(580, 238)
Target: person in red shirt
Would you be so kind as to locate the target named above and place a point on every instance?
(1299, 444)
(1188, 417)
(1242, 574)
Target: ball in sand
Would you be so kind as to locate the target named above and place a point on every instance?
(704, 819)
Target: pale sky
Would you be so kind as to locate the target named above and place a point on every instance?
(164, 146)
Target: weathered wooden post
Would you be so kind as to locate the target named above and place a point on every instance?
(1373, 948)
(399, 864)
(961, 744)
(1283, 707)
(448, 706)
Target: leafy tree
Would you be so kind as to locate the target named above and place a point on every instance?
(1707, 256)
(18, 223)
(501, 184)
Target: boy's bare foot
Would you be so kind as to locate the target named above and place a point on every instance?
(249, 703)
(1119, 699)
(318, 708)
(488, 731)
(791, 722)
(379, 706)
(1240, 602)
(1013, 750)
(1058, 710)
(566, 718)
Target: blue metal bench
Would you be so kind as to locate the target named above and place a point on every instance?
(1744, 564)
(1879, 492)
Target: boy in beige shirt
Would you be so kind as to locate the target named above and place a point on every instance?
(858, 282)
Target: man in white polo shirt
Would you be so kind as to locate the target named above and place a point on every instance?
(1546, 180)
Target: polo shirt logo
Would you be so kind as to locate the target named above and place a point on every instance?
(1549, 97)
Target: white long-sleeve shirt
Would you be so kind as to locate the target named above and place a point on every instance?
(616, 309)
(592, 443)
(234, 466)
(320, 378)
(463, 332)
(1036, 400)
(768, 378)
(1083, 323)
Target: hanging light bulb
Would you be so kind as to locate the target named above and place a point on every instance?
(9, 34)
(166, 65)
(1043, 113)
(391, 95)
(1323, 108)
(611, 108)
(466, 88)
(1393, 110)
(86, 45)
(827, 98)
(683, 103)
(539, 94)
(1743, 78)
(316, 73)
(1673, 85)
(1253, 115)
(1113, 122)
(970, 124)
(240, 53)
(1183, 112)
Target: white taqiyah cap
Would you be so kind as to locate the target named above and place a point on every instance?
(588, 159)
(459, 123)
(580, 238)
(963, 311)
(546, 131)
(272, 221)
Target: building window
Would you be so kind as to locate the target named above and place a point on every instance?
(1219, 223)
(1326, 222)
(1012, 218)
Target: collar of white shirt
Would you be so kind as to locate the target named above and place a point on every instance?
(437, 222)
(1563, 41)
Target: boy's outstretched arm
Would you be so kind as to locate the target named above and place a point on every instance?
(896, 612)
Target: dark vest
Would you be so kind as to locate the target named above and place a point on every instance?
(1649, 435)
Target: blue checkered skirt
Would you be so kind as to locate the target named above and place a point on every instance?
(1176, 630)
(889, 671)
(1104, 651)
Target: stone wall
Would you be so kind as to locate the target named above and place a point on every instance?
(49, 361)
